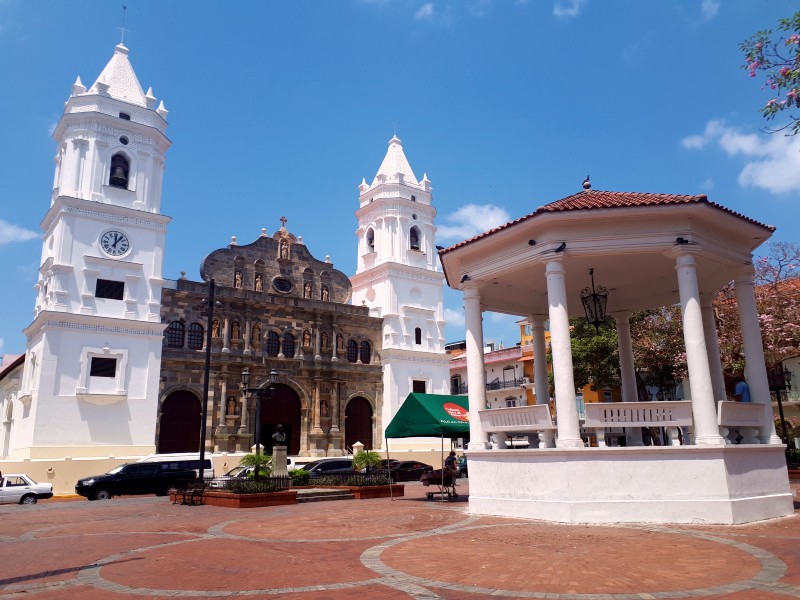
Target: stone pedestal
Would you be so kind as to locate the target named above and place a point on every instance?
(279, 460)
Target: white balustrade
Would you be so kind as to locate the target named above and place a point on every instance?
(606, 415)
(518, 420)
(744, 416)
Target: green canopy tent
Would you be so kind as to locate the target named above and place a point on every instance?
(429, 415)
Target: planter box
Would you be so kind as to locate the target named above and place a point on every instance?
(229, 500)
(367, 492)
(794, 474)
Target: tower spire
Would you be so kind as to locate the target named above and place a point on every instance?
(122, 29)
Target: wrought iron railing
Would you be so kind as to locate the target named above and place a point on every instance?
(508, 383)
(245, 485)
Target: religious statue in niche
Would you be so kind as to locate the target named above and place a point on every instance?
(307, 290)
(231, 411)
(237, 279)
(323, 408)
(339, 341)
(325, 294)
(284, 249)
(215, 328)
(324, 339)
(236, 332)
(259, 285)
(306, 338)
(255, 334)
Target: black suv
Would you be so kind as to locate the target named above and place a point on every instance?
(133, 478)
(329, 466)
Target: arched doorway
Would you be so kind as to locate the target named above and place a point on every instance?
(358, 423)
(179, 429)
(282, 407)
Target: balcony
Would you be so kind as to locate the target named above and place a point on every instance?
(459, 388)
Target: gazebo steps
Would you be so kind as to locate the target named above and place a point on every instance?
(322, 495)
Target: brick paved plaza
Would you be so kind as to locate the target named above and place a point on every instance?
(144, 547)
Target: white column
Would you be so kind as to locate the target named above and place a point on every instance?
(247, 328)
(540, 382)
(712, 346)
(226, 335)
(627, 371)
(476, 370)
(569, 435)
(317, 341)
(706, 432)
(755, 370)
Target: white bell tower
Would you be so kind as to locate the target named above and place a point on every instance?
(90, 385)
(399, 278)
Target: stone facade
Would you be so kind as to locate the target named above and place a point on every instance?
(276, 308)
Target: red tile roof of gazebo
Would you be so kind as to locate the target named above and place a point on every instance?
(598, 199)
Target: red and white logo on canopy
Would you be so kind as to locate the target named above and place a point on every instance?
(456, 411)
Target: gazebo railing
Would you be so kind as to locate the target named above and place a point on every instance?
(606, 415)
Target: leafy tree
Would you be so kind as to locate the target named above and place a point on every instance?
(777, 291)
(659, 352)
(775, 53)
(595, 355)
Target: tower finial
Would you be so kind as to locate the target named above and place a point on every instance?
(283, 222)
(587, 185)
(122, 29)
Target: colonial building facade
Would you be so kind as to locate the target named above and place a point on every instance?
(277, 308)
(90, 383)
(399, 278)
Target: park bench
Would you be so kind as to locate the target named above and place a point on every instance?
(606, 415)
(519, 420)
(190, 494)
(747, 417)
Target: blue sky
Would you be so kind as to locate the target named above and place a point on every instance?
(280, 108)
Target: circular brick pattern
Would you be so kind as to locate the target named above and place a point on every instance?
(574, 560)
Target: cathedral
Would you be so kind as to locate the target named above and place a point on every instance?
(115, 361)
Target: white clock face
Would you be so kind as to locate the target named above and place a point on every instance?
(114, 243)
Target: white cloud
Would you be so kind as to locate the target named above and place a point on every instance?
(773, 160)
(454, 317)
(2, 343)
(425, 12)
(470, 220)
(708, 184)
(710, 8)
(568, 9)
(479, 8)
(11, 233)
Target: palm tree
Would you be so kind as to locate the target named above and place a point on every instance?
(366, 459)
(262, 463)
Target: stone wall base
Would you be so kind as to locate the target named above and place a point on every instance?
(678, 484)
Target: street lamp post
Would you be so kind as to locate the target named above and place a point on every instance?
(780, 380)
(257, 391)
(206, 374)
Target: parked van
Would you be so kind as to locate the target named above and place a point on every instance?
(180, 462)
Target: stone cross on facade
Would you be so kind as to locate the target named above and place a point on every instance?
(283, 222)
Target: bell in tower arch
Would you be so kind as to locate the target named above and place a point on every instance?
(119, 171)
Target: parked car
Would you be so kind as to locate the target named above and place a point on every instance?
(243, 473)
(405, 470)
(179, 462)
(462, 466)
(16, 488)
(329, 466)
(134, 478)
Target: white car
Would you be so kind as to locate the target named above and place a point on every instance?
(17, 488)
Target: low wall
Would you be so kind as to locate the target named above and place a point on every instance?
(64, 472)
(672, 484)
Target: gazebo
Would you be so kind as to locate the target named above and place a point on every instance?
(647, 251)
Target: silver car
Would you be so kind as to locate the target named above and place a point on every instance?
(17, 488)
